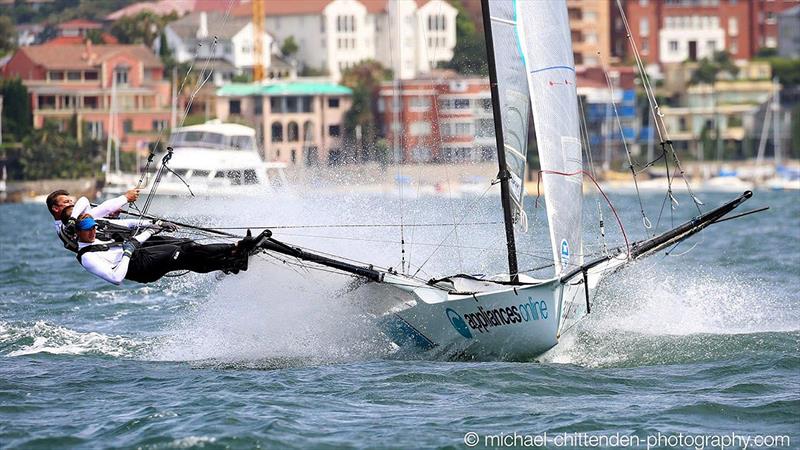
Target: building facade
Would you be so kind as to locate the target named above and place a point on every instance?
(438, 119)
(222, 44)
(674, 31)
(789, 33)
(590, 26)
(298, 122)
(83, 82)
(409, 36)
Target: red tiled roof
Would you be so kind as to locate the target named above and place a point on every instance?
(307, 7)
(80, 40)
(75, 56)
(79, 23)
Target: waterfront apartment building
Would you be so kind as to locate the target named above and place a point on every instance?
(674, 31)
(440, 118)
(84, 82)
(298, 121)
(409, 36)
(590, 26)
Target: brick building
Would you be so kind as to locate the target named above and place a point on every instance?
(75, 81)
(446, 118)
(673, 31)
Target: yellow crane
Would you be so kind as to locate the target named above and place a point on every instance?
(258, 40)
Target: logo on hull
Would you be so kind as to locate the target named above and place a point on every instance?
(458, 323)
(484, 319)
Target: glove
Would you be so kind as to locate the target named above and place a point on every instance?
(69, 228)
(166, 226)
(128, 247)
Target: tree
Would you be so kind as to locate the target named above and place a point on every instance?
(17, 119)
(143, 28)
(7, 35)
(709, 69)
(49, 153)
(469, 54)
(289, 47)
(364, 79)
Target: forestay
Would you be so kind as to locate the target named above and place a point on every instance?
(514, 98)
(545, 35)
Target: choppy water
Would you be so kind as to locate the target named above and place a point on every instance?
(705, 343)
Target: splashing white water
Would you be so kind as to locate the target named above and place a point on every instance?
(646, 311)
(53, 339)
(271, 313)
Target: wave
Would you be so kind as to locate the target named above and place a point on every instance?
(19, 339)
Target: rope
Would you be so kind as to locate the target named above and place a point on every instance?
(613, 210)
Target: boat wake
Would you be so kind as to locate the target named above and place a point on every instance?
(267, 318)
(653, 315)
(25, 338)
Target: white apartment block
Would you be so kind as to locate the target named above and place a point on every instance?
(692, 37)
(192, 38)
(408, 36)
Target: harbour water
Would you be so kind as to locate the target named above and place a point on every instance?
(702, 342)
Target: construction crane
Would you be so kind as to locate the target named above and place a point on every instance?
(258, 40)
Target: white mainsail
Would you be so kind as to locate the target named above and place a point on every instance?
(544, 34)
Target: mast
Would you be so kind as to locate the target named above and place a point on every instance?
(503, 174)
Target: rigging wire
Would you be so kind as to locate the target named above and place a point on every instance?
(645, 220)
(655, 109)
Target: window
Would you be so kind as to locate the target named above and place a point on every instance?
(69, 102)
(590, 16)
(711, 45)
(734, 47)
(235, 176)
(334, 130)
(420, 128)
(121, 75)
(95, 129)
(258, 106)
(277, 105)
(644, 26)
(486, 104)
(333, 102)
(291, 104)
(419, 103)
(159, 125)
(90, 102)
(645, 45)
(292, 132)
(90, 75)
(277, 132)
(733, 26)
(250, 176)
(47, 102)
(590, 37)
(306, 104)
(461, 103)
(235, 106)
(294, 156)
(74, 76)
(127, 126)
(673, 46)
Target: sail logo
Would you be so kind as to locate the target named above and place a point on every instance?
(564, 254)
(484, 319)
(458, 323)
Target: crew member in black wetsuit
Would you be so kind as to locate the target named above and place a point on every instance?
(143, 261)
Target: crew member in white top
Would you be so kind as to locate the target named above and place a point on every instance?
(60, 200)
(144, 261)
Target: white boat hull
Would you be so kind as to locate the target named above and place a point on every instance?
(508, 323)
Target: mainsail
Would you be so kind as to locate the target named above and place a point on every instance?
(545, 35)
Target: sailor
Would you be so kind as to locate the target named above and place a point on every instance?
(60, 200)
(144, 261)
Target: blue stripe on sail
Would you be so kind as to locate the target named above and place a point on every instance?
(516, 31)
(552, 68)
